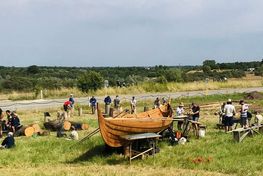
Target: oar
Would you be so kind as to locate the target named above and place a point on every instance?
(87, 137)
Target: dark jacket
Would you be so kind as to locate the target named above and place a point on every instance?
(93, 101)
(8, 142)
(107, 100)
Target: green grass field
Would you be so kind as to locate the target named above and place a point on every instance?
(217, 152)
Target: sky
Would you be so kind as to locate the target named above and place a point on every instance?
(129, 32)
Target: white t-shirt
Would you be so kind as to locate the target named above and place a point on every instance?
(229, 110)
(179, 111)
(133, 103)
(74, 135)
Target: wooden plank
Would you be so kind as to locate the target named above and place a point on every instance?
(236, 136)
(146, 151)
(131, 137)
(243, 136)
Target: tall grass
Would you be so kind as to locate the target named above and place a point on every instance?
(147, 87)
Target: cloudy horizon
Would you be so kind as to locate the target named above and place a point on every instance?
(129, 32)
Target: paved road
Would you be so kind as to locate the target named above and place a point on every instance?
(44, 104)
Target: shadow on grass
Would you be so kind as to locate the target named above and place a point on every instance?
(101, 151)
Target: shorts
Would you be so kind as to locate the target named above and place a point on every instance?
(228, 121)
(65, 107)
(195, 118)
(223, 119)
(243, 121)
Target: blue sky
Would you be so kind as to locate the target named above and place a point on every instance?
(129, 32)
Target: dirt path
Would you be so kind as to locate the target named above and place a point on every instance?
(50, 103)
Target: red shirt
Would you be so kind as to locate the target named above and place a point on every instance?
(67, 103)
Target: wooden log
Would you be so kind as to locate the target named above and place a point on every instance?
(67, 125)
(111, 112)
(80, 111)
(25, 131)
(36, 127)
(43, 133)
(53, 125)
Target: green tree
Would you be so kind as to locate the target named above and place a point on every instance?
(33, 69)
(206, 69)
(90, 80)
(210, 63)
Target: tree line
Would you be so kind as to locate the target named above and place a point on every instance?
(91, 78)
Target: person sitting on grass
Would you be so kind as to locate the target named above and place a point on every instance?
(15, 122)
(74, 134)
(9, 141)
(9, 118)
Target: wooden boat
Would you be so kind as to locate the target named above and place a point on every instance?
(112, 128)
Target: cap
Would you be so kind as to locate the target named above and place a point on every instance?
(229, 100)
(10, 133)
(181, 104)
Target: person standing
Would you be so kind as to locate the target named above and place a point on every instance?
(133, 105)
(157, 103)
(243, 114)
(93, 104)
(72, 100)
(2, 122)
(107, 102)
(67, 108)
(180, 112)
(195, 112)
(116, 102)
(229, 112)
(221, 113)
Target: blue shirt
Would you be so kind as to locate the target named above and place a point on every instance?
(93, 101)
(71, 99)
(107, 100)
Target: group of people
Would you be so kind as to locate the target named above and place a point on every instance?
(10, 125)
(228, 112)
(116, 104)
(157, 102)
(194, 111)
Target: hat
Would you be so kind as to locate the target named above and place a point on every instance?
(181, 104)
(229, 100)
(10, 133)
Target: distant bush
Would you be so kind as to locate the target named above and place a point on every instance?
(90, 80)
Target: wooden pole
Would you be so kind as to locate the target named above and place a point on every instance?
(80, 111)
